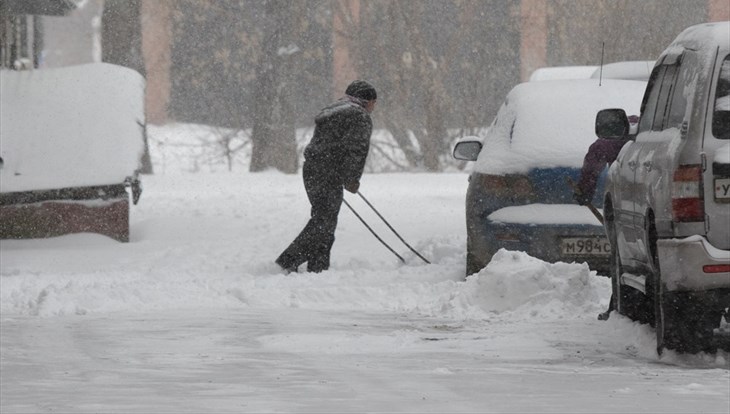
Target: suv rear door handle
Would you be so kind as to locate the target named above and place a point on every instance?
(647, 165)
(632, 165)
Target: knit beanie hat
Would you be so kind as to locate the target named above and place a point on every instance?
(362, 89)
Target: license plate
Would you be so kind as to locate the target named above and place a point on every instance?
(580, 246)
(722, 189)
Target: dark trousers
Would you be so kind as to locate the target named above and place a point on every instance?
(315, 241)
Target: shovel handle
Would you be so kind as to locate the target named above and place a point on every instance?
(590, 206)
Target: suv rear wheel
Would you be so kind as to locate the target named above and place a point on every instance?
(682, 321)
(685, 324)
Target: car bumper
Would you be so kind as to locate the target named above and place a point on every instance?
(693, 264)
(542, 242)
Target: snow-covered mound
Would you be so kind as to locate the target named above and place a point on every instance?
(518, 283)
(513, 284)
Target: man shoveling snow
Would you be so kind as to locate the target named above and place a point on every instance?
(333, 160)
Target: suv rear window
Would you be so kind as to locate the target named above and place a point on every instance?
(721, 114)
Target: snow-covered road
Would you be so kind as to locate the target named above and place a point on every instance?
(294, 360)
(192, 316)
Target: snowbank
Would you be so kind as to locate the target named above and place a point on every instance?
(513, 284)
(531, 288)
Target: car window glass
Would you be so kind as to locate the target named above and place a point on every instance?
(721, 113)
(684, 81)
(662, 108)
(502, 124)
(648, 107)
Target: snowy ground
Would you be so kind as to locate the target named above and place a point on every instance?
(192, 316)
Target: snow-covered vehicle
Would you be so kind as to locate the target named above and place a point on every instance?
(72, 141)
(667, 199)
(518, 197)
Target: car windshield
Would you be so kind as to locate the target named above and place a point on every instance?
(721, 116)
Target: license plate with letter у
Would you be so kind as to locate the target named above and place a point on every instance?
(579, 246)
(722, 189)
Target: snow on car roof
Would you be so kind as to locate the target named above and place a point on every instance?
(561, 73)
(629, 70)
(551, 124)
(703, 36)
(70, 127)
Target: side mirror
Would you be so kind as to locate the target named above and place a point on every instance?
(467, 150)
(612, 124)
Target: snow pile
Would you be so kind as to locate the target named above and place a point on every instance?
(528, 287)
(514, 282)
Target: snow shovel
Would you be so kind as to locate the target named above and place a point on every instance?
(588, 204)
(391, 227)
(387, 224)
(373, 231)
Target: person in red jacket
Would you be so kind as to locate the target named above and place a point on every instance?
(600, 155)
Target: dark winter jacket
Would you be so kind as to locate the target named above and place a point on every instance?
(601, 153)
(341, 140)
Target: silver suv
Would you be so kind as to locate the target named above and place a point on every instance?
(667, 198)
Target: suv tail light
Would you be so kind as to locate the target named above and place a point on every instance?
(688, 203)
(716, 268)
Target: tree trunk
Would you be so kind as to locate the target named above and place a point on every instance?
(156, 49)
(401, 137)
(121, 44)
(434, 143)
(427, 70)
(274, 130)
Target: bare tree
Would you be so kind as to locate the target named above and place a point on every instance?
(413, 49)
(274, 129)
(121, 38)
(429, 70)
(440, 64)
(442, 67)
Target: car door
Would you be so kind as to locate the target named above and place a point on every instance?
(660, 148)
(628, 192)
(622, 173)
(717, 148)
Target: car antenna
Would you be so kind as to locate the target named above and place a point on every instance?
(600, 74)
